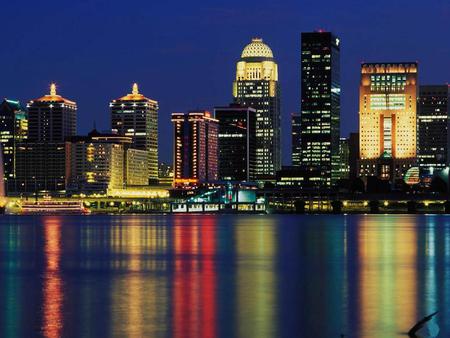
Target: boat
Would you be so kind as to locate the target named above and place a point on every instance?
(50, 207)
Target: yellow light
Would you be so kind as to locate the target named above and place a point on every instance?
(366, 203)
(386, 203)
(345, 203)
(427, 203)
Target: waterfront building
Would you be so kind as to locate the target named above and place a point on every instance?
(102, 162)
(195, 148)
(137, 116)
(296, 149)
(320, 106)
(256, 85)
(165, 171)
(41, 159)
(237, 142)
(344, 157)
(433, 128)
(387, 119)
(13, 130)
(94, 165)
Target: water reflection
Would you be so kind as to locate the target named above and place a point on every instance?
(223, 276)
(52, 284)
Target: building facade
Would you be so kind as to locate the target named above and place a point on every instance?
(41, 159)
(94, 166)
(296, 150)
(344, 158)
(137, 116)
(236, 142)
(320, 106)
(387, 119)
(256, 85)
(13, 130)
(433, 128)
(195, 148)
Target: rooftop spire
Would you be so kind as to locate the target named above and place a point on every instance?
(135, 89)
(53, 89)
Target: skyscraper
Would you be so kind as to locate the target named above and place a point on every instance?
(387, 119)
(13, 130)
(256, 85)
(237, 136)
(195, 148)
(433, 120)
(51, 118)
(296, 149)
(41, 159)
(344, 158)
(137, 116)
(320, 106)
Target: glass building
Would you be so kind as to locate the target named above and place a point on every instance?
(387, 119)
(320, 106)
(237, 141)
(137, 116)
(433, 127)
(13, 130)
(256, 85)
(195, 148)
(296, 149)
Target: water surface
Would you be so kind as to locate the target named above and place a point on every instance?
(222, 275)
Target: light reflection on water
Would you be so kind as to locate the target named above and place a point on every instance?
(223, 276)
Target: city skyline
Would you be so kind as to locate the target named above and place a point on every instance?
(203, 62)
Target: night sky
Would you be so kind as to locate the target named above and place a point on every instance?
(183, 53)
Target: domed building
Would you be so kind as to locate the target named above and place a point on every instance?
(256, 85)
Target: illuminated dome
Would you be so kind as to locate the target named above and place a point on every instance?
(257, 48)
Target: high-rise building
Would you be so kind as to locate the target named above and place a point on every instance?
(13, 130)
(237, 137)
(320, 105)
(433, 118)
(137, 116)
(101, 162)
(387, 119)
(344, 153)
(41, 159)
(51, 118)
(256, 85)
(95, 164)
(296, 149)
(195, 148)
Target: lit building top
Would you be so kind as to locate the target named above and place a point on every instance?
(135, 96)
(54, 97)
(257, 63)
(257, 48)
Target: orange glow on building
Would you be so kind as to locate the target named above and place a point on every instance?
(387, 114)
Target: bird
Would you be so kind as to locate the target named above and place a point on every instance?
(420, 324)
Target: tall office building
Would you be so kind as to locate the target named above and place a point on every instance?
(256, 85)
(387, 119)
(13, 130)
(137, 116)
(195, 148)
(433, 120)
(296, 140)
(237, 137)
(320, 106)
(41, 159)
(344, 158)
